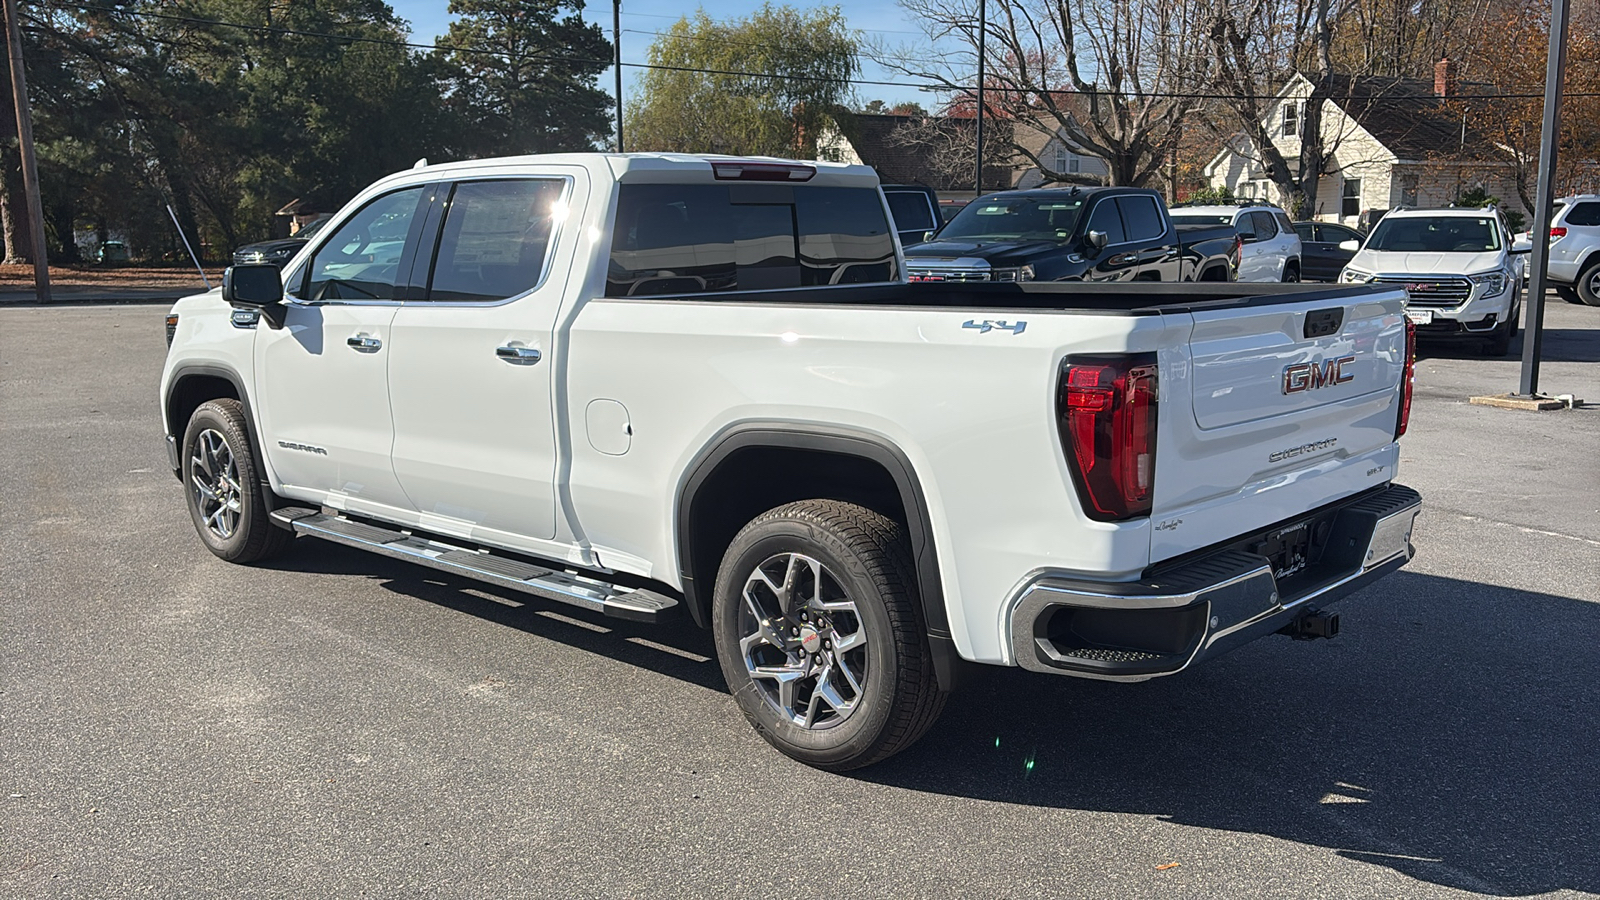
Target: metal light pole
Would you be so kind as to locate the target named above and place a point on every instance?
(616, 43)
(983, 32)
(30, 168)
(1555, 65)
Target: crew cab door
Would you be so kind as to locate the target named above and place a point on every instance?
(1151, 238)
(322, 398)
(1119, 260)
(471, 375)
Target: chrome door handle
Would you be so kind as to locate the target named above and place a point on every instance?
(364, 342)
(525, 355)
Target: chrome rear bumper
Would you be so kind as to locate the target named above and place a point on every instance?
(1213, 602)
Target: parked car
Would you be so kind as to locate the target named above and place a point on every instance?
(1269, 247)
(1072, 234)
(1575, 249)
(948, 208)
(640, 385)
(1321, 257)
(277, 252)
(1460, 268)
(915, 209)
(113, 253)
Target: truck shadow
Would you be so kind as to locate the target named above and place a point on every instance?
(677, 649)
(1449, 735)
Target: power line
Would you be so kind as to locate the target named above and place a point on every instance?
(782, 76)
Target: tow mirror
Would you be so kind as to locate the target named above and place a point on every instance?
(1351, 246)
(1097, 240)
(257, 286)
(927, 236)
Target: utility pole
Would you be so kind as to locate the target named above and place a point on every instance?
(1555, 66)
(616, 45)
(983, 32)
(30, 168)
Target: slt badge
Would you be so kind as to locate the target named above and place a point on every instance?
(988, 325)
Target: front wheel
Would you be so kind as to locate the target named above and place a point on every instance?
(819, 634)
(222, 483)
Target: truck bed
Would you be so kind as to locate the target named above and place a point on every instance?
(1146, 298)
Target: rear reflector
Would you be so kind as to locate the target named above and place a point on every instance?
(1408, 379)
(761, 171)
(1106, 409)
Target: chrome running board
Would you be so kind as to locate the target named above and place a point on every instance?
(636, 604)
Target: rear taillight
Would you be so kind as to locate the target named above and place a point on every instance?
(1559, 231)
(172, 328)
(1106, 408)
(1408, 379)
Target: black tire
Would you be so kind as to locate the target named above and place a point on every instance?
(1568, 293)
(1291, 273)
(232, 520)
(1499, 343)
(1588, 284)
(866, 557)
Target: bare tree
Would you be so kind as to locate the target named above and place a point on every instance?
(1116, 77)
(948, 146)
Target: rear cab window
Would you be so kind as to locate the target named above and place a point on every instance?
(713, 238)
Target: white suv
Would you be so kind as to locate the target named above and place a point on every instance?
(1461, 271)
(1575, 249)
(1269, 247)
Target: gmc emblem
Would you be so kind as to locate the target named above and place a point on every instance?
(1308, 376)
(1421, 287)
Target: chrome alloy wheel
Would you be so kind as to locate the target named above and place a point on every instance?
(214, 478)
(803, 641)
(1594, 283)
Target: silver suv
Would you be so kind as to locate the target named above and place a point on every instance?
(1269, 247)
(1575, 248)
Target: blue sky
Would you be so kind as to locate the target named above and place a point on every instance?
(430, 18)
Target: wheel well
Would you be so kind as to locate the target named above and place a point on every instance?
(751, 480)
(1217, 272)
(191, 391)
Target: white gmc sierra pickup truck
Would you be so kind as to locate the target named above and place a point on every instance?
(653, 385)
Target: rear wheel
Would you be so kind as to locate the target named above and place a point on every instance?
(1588, 285)
(819, 634)
(222, 484)
(1291, 273)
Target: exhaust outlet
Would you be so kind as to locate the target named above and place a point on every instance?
(1314, 624)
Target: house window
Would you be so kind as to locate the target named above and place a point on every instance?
(1291, 120)
(1067, 162)
(1350, 200)
(1408, 190)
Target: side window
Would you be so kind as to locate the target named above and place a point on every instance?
(1584, 214)
(1140, 218)
(910, 210)
(1105, 218)
(691, 239)
(1284, 225)
(1266, 228)
(1307, 231)
(496, 239)
(361, 260)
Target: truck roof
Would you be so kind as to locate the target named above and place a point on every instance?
(668, 166)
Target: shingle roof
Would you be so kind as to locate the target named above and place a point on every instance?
(900, 163)
(1407, 117)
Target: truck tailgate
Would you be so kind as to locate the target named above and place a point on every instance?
(1272, 410)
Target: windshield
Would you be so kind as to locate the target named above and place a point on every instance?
(310, 231)
(1015, 218)
(1202, 220)
(1442, 234)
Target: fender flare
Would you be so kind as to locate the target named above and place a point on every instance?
(228, 374)
(846, 442)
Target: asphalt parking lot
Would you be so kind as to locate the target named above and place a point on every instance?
(339, 725)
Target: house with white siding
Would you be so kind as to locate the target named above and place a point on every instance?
(1393, 141)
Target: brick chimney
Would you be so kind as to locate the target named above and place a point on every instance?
(1444, 78)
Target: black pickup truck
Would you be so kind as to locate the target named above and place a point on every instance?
(1073, 234)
